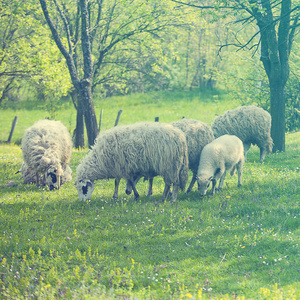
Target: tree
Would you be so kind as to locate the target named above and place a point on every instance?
(277, 22)
(26, 52)
(82, 85)
(92, 36)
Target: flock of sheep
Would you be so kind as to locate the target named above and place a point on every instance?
(149, 149)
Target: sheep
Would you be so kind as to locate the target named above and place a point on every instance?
(225, 153)
(29, 176)
(197, 134)
(147, 149)
(47, 149)
(249, 123)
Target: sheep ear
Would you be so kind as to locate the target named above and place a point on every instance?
(210, 178)
(217, 171)
(88, 184)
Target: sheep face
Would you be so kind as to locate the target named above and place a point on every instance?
(85, 189)
(135, 180)
(204, 184)
(52, 178)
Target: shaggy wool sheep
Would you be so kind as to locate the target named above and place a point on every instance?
(249, 123)
(225, 153)
(47, 149)
(146, 149)
(29, 176)
(197, 134)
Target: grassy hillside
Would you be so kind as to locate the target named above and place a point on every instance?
(242, 243)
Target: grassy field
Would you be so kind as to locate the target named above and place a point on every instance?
(242, 243)
(139, 107)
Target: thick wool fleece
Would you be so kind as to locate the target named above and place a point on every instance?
(47, 144)
(29, 176)
(145, 148)
(197, 134)
(249, 123)
(223, 154)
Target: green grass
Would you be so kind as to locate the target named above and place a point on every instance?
(139, 107)
(242, 243)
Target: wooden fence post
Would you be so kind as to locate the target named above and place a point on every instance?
(100, 120)
(12, 129)
(118, 117)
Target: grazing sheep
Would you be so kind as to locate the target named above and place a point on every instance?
(249, 123)
(197, 134)
(29, 176)
(223, 154)
(47, 149)
(146, 149)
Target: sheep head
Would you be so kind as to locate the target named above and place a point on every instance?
(85, 189)
(204, 184)
(53, 177)
(134, 180)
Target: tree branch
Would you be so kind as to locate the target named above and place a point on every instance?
(68, 56)
(66, 25)
(204, 6)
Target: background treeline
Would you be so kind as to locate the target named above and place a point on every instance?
(147, 46)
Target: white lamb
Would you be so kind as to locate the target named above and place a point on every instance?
(47, 149)
(197, 134)
(145, 148)
(249, 123)
(225, 153)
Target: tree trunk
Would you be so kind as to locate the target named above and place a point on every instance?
(278, 115)
(90, 119)
(79, 135)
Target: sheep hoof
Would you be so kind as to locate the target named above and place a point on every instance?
(239, 185)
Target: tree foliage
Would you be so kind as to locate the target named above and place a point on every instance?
(27, 53)
(276, 23)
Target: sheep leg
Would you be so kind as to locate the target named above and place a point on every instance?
(115, 195)
(246, 149)
(150, 187)
(262, 154)
(132, 185)
(136, 194)
(232, 172)
(166, 192)
(192, 183)
(222, 179)
(213, 190)
(37, 180)
(239, 168)
(44, 180)
(174, 193)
